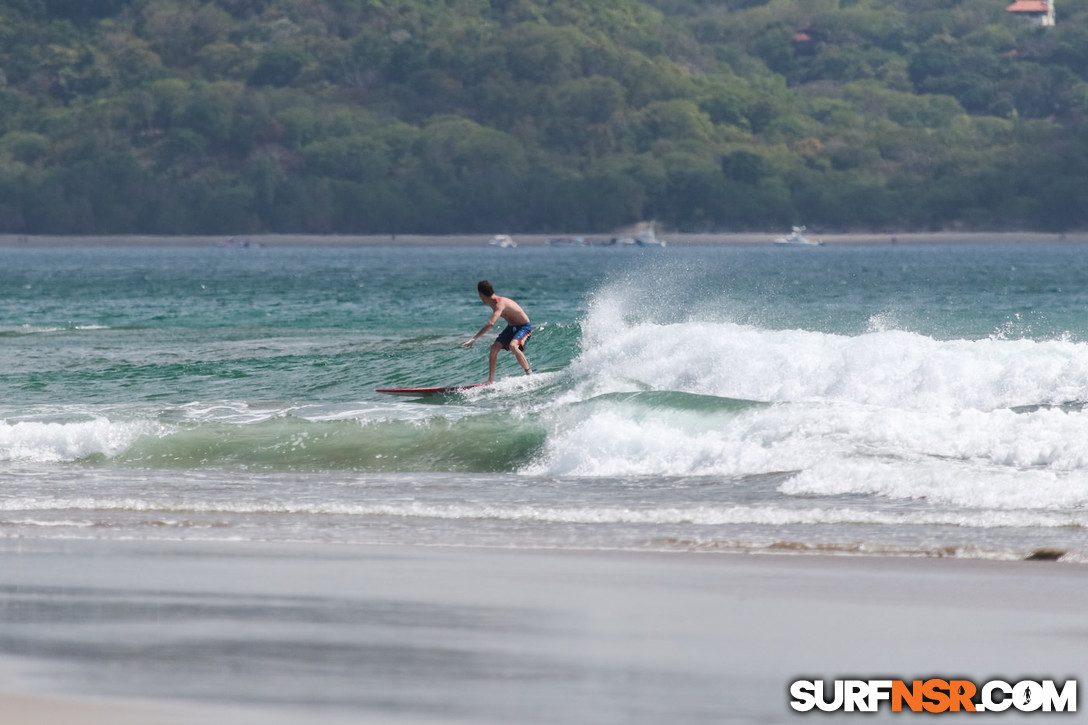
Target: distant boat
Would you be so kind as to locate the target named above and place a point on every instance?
(239, 243)
(503, 240)
(647, 238)
(797, 238)
(641, 235)
(567, 242)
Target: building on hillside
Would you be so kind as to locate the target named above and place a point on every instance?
(1036, 12)
(805, 41)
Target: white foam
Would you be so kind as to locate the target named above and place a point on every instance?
(962, 485)
(995, 459)
(886, 367)
(669, 515)
(37, 329)
(44, 442)
(887, 412)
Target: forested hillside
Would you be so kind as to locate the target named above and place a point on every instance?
(431, 116)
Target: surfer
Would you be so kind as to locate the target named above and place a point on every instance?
(515, 335)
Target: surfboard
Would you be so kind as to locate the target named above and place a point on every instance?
(424, 392)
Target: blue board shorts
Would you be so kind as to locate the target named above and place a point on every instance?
(515, 332)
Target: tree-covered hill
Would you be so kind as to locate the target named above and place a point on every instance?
(429, 116)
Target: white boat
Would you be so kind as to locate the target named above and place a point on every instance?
(567, 242)
(647, 238)
(503, 240)
(797, 238)
(641, 235)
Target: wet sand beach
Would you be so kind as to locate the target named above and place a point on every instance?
(279, 633)
(63, 710)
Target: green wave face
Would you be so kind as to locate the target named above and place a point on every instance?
(481, 443)
(671, 400)
(496, 441)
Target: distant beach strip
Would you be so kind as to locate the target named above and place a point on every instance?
(525, 240)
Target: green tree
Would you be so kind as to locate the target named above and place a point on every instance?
(279, 67)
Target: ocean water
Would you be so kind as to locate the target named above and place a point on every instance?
(896, 400)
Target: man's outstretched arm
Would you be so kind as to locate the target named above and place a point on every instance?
(483, 330)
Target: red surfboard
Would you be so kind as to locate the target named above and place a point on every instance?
(449, 390)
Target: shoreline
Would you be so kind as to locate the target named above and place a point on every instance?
(283, 633)
(524, 240)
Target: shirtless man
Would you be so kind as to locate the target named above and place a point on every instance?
(515, 335)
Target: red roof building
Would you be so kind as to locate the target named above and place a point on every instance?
(1038, 12)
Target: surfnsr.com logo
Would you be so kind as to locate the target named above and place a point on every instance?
(933, 695)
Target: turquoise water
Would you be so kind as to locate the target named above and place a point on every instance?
(886, 399)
